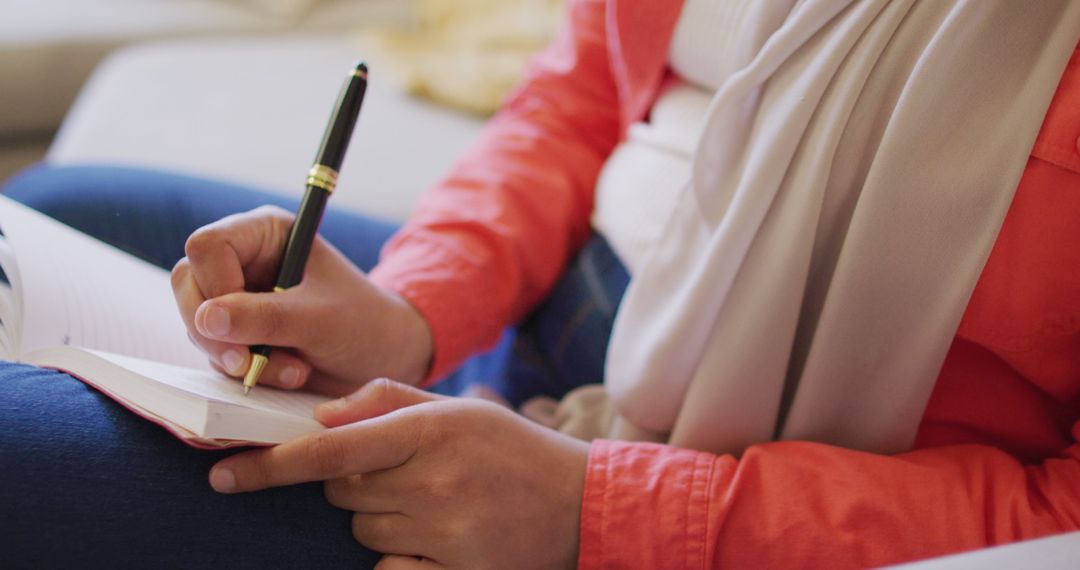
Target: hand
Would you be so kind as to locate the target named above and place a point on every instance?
(458, 483)
(340, 330)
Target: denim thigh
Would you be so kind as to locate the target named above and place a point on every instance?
(150, 213)
(85, 483)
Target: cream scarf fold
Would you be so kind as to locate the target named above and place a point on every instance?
(847, 189)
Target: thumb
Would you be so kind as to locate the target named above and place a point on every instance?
(396, 562)
(277, 319)
(378, 397)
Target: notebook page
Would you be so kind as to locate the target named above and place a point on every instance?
(77, 291)
(9, 303)
(214, 386)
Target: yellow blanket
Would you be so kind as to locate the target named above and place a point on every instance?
(467, 53)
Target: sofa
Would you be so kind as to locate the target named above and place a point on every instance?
(238, 90)
(49, 47)
(253, 111)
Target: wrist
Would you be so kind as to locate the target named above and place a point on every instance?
(411, 342)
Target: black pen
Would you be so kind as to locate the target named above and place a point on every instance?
(321, 181)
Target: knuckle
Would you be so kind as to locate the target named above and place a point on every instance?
(429, 433)
(201, 242)
(371, 530)
(361, 529)
(444, 428)
(277, 215)
(269, 211)
(271, 315)
(326, 453)
(460, 529)
(258, 474)
(383, 388)
(357, 528)
(180, 272)
(382, 392)
(442, 486)
(335, 490)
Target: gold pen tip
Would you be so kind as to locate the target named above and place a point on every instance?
(258, 363)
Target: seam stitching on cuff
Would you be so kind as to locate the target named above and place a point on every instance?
(605, 502)
(710, 471)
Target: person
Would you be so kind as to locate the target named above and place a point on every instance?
(847, 341)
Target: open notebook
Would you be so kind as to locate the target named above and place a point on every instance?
(73, 303)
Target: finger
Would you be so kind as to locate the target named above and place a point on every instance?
(380, 443)
(348, 493)
(278, 319)
(542, 410)
(399, 562)
(386, 532)
(232, 359)
(378, 397)
(353, 493)
(213, 320)
(329, 386)
(285, 370)
(482, 392)
(237, 251)
(385, 491)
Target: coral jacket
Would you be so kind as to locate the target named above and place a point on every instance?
(996, 458)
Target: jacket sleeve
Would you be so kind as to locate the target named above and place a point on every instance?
(808, 505)
(805, 505)
(488, 242)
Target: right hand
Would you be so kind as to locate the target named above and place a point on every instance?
(332, 332)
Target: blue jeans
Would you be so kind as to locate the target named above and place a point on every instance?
(85, 481)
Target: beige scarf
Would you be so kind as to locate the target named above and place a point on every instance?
(847, 189)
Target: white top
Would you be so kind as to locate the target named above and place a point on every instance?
(639, 183)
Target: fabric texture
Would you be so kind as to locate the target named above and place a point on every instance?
(640, 182)
(995, 457)
(639, 185)
(485, 245)
(826, 201)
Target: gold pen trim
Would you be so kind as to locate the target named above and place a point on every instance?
(278, 289)
(322, 176)
(360, 73)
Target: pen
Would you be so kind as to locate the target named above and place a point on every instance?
(320, 183)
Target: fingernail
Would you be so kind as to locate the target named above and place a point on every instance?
(290, 377)
(332, 405)
(217, 321)
(222, 480)
(233, 361)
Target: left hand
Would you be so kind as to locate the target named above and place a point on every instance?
(434, 482)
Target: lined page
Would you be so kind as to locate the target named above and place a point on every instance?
(77, 291)
(10, 306)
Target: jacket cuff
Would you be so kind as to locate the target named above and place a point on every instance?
(646, 506)
(429, 273)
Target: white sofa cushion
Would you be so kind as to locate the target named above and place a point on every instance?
(253, 112)
(49, 47)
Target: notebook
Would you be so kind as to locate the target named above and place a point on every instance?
(70, 302)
